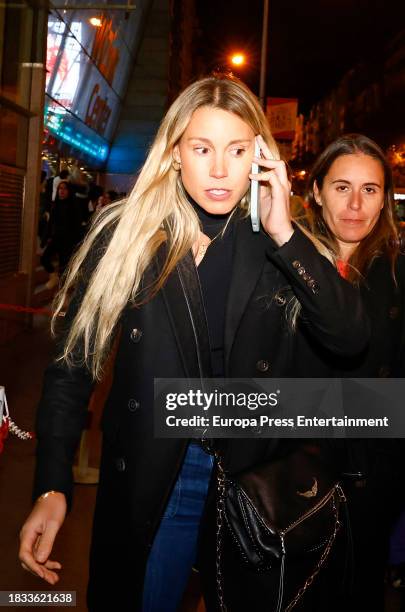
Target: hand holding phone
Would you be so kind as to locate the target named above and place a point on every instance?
(254, 194)
(272, 212)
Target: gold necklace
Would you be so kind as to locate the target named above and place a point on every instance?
(202, 249)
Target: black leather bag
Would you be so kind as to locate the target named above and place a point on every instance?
(285, 508)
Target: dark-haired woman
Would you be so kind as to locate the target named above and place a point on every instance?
(63, 232)
(351, 210)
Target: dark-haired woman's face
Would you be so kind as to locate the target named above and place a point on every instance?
(63, 191)
(352, 196)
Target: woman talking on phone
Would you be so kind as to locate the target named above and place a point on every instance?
(176, 275)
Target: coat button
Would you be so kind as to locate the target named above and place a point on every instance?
(312, 284)
(280, 299)
(384, 372)
(133, 405)
(306, 277)
(120, 464)
(301, 271)
(262, 365)
(136, 334)
(393, 312)
(296, 264)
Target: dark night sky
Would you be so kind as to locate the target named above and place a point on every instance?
(311, 42)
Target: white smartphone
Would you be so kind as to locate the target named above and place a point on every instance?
(254, 194)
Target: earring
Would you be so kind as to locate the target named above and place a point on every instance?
(176, 165)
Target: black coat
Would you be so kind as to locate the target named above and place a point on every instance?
(384, 303)
(64, 227)
(373, 506)
(167, 337)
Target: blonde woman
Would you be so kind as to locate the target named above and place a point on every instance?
(177, 270)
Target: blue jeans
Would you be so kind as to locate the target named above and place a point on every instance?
(174, 549)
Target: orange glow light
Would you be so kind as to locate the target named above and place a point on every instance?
(96, 22)
(238, 59)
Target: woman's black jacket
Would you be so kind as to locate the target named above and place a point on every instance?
(167, 338)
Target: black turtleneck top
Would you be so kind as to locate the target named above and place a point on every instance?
(214, 272)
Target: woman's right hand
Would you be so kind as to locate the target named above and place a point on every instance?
(38, 535)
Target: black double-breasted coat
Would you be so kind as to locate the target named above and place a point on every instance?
(376, 499)
(167, 337)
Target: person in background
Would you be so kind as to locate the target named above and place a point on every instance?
(107, 198)
(351, 210)
(112, 195)
(64, 175)
(80, 190)
(44, 210)
(64, 233)
(95, 193)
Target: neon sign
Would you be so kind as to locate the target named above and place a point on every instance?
(104, 53)
(98, 111)
(72, 135)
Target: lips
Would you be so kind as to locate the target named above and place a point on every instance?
(218, 194)
(353, 221)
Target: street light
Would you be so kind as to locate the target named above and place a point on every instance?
(238, 59)
(96, 22)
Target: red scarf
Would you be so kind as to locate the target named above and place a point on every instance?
(343, 268)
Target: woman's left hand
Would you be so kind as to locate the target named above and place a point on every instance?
(274, 196)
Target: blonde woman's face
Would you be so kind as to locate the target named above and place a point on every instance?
(215, 153)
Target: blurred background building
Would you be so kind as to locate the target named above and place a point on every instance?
(23, 31)
(83, 88)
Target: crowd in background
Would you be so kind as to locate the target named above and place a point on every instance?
(67, 204)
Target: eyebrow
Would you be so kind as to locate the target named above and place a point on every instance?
(238, 141)
(349, 183)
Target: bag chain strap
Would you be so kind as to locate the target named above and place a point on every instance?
(220, 522)
(325, 553)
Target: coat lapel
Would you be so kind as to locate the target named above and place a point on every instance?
(247, 266)
(184, 304)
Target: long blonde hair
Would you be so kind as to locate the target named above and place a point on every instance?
(156, 211)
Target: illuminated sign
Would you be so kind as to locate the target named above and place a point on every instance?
(282, 114)
(63, 61)
(98, 111)
(71, 131)
(104, 53)
(87, 72)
